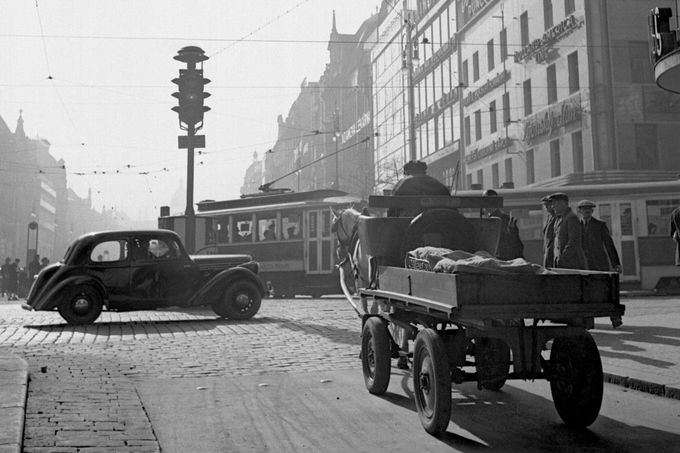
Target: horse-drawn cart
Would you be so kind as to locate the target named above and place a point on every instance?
(475, 324)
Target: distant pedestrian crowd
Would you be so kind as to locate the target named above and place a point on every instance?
(17, 280)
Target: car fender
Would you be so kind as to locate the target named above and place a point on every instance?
(219, 283)
(52, 298)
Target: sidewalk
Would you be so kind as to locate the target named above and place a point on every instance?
(13, 388)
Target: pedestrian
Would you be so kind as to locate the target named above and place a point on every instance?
(34, 267)
(5, 276)
(598, 246)
(45, 261)
(510, 245)
(568, 246)
(548, 233)
(13, 283)
(675, 233)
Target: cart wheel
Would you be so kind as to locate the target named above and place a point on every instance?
(432, 381)
(376, 355)
(492, 358)
(576, 380)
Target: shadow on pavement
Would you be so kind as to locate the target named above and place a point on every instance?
(516, 420)
(623, 343)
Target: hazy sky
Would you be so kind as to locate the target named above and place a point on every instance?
(107, 106)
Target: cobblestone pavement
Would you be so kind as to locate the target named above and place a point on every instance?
(82, 393)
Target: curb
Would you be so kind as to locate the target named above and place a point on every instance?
(643, 386)
(13, 392)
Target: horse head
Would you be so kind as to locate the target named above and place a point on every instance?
(345, 225)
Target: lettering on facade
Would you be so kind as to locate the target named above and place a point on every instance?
(498, 80)
(354, 129)
(470, 8)
(537, 47)
(554, 117)
(493, 148)
(444, 51)
(446, 100)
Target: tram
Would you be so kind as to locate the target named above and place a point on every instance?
(638, 217)
(288, 233)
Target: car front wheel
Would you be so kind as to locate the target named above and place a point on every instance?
(81, 305)
(240, 301)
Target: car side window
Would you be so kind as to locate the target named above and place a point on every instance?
(109, 251)
(154, 248)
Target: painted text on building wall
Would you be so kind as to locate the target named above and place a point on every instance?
(554, 117)
(556, 33)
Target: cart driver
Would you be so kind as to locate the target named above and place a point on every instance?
(416, 181)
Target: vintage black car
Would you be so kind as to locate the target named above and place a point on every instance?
(144, 270)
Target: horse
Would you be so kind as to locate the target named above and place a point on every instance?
(349, 251)
(346, 228)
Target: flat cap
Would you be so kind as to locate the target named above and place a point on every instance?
(558, 196)
(586, 204)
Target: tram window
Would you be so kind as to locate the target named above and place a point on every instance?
(223, 231)
(658, 216)
(291, 227)
(244, 230)
(266, 229)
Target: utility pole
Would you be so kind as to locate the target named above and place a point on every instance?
(191, 110)
(408, 67)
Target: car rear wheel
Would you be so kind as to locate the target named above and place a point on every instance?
(240, 301)
(81, 305)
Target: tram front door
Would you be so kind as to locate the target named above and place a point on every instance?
(620, 220)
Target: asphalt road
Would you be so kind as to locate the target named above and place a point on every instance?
(287, 380)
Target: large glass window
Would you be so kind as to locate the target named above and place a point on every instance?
(480, 177)
(223, 232)
(508, 170)
(504, 44)
(464, 73)
(527, 97)
(524, 28)
(646, 146)
(658, 215)
(490, 54)
(572, 64)
(640, 68)
(448, 132)
(569, 7)
(468, 139)
(493, 126)
(555, 167)
(506, 109)
(531, 175)
(478, 125)
(475, 66)
(495, 176)
(552, 84)
(577, 151)
(547, 14)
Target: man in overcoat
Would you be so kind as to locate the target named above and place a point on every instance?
(597, 242)
(568, 248)
(548, 233)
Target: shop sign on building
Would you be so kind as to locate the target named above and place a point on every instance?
(496, 81)
(446, 100)
(495, 146)
(540, 48)
(554, 117)
(469, 9)
(361, 123)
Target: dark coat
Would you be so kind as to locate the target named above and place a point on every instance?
(675, 233)
(598, 246)
(510, 245)
(568, 247)
(549, 241)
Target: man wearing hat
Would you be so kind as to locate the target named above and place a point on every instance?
(597, 242)
(416, 181)
(675, 233)
(568, 248)
(548, 233)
